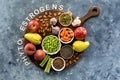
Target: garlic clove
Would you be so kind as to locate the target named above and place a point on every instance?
(76, 22)
(53, 21)
(55, 30)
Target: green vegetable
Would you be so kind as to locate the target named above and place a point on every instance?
(51, 44)
(65, 19)
(47, 69)
(44, 60)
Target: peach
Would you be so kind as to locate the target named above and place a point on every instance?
(29, 49)
(39, 55)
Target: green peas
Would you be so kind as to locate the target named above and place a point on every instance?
(51, 44)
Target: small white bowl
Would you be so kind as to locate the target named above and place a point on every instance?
(68, 41)
(64, 63)
(53, 52)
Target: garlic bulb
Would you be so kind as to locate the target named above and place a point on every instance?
(76, 22)
(53, 21)
(55, 30)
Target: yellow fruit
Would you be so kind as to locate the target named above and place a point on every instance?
(33, 38)
(80, 46)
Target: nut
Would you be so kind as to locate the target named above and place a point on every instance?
(45, 16)
(39, 31)
(49, 16)
(70, 62)
(41, 20)
(49, 29)
(46, 19)
(74, 61)
(36, 19)
(74, 56)
(50, 13)
(47, 24)
(40, 17)
(59, 13)
(46, 13)
(44, 34)
(43, 25)
(42, 31)
(66, 61)
(55, 14)
(77, 58)
(46, 28)
(67, 64)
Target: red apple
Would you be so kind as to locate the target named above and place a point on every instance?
(39, 55)
(33, 26)
(29, 49)
(80, 33)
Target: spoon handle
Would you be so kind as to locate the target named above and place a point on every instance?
(93, 11)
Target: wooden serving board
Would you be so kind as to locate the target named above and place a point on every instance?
(44, 20)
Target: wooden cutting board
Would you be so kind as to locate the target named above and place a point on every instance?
(44, 20)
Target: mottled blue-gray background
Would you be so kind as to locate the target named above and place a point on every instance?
(100, 62)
